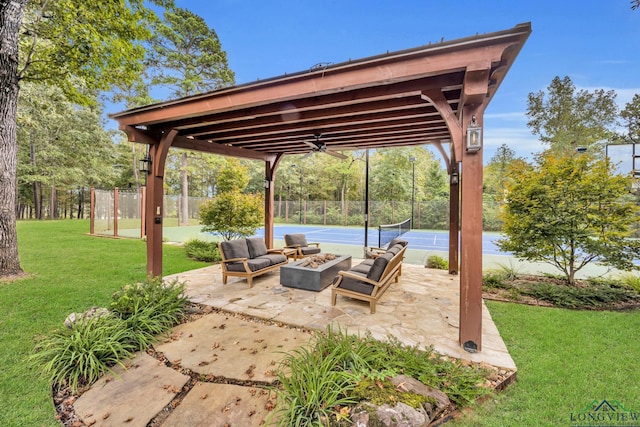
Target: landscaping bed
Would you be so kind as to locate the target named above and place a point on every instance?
(550, 291)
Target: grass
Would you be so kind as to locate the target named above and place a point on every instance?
(565, 359)
(70, 272)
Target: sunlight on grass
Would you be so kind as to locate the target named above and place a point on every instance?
(565, 360)
(70, 272)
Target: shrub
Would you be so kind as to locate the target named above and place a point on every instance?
(436, 261)
(319, 380)
(494, 280)
(630, 281)
(312, 393)
(150, 308)
(202, 250)
(80, 355)
(593, 296)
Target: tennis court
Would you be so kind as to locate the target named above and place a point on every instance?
(421, 240)
(426, 240)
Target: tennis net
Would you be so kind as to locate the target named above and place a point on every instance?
(388, 232)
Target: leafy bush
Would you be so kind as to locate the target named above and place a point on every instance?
(314, 391)
(82, 354)
(630, 281)
(319, 380)
(202, 250)
(494, 280)
(436, 261)
(150, 308)
(594, 296)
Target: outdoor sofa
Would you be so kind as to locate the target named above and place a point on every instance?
(249, 258)
(300, 244)
(368, 280)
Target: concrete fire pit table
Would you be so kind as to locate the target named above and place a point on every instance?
(294, 275)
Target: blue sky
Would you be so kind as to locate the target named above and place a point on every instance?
(594, 42)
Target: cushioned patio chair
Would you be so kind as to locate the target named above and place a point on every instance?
(303, 248)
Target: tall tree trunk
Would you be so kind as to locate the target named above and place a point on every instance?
(81, 202)
(40, 212)
(35, 184)
(11, 12)
(53, 203)
(185, 190)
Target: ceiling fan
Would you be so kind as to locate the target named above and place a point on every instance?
(321, 147)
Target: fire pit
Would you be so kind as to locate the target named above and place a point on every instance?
(314, 273)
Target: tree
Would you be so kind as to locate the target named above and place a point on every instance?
(10, 17)
(567, 119)
(53, 153)
(187, 57)
(231, 213)
(81, 47)
(635, 4)
(569, 211)
(631, 116)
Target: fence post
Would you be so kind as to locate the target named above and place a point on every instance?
(115, 211)
(92, 211)
(143, 210)
(324, 212)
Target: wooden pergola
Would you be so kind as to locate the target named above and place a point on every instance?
(425, 95)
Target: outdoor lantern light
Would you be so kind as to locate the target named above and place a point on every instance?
(145, 164)
(474, 136)
(455, 178)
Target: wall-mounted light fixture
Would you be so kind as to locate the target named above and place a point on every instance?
(455, 178)
(266, 183)
(145, 164)
(474, 136)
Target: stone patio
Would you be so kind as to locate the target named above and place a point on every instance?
(421, 310)
(222, 351)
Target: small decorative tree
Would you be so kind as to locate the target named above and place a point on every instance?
(569, 211)
(232, 214)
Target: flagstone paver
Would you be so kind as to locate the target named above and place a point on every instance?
(223, 404)
(132, 397)
(226, 346)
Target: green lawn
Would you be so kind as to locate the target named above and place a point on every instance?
(566, 359)
(70, 271)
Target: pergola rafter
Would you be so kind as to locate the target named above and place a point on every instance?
(425, 95)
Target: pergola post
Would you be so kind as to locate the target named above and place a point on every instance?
(155, 202)
(269, 198)
(470, 332)
(454, 218)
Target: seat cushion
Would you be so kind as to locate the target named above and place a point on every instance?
(379, 264)
(295, 240)
(310, 250)
(395, 249)
(273, 258)
(235, 249)
(361, 268)
(397, 241)
(254, 265)
(256, 247)
(356, 286)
